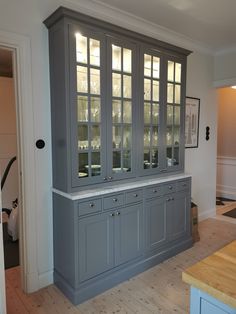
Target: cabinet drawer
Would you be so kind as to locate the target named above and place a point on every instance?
(133, 196)
(169, 188)
(113, 201)
(89, 207)
(183, 185)
(153, 191)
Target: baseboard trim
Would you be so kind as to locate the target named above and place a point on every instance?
(45, 279)
(225, 193)
(207, 214)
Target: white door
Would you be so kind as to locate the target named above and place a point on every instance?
(2, 271)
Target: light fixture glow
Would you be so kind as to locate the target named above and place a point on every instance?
(234, 87)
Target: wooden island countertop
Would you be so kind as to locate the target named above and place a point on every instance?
(216, 275)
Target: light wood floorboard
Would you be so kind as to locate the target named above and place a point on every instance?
(158, 290)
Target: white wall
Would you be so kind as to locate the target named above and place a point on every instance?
(225, 69)
(201, 161)
(8, 146)
(26, 17)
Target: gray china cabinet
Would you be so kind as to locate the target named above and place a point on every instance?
(121, 202)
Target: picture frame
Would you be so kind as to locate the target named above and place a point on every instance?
(192, 114)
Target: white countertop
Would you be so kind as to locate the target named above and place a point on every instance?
(120, 186)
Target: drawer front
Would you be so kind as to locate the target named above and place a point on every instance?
(113, 201)
(153, 191)
(183, 185)
(133, 196)
(89, 207)
(169, 188)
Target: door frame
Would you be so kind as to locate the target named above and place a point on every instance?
(21, 47)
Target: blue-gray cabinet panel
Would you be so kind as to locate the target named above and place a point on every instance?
(134, 196)
(128, 233)
(95, 245)
(113, 201)
(153, 191)
(90, 207)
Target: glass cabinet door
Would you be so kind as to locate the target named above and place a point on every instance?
(174, 109)
(121, 96)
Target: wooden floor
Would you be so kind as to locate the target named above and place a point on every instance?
(158, 290)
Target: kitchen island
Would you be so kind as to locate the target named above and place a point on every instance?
(213, 283)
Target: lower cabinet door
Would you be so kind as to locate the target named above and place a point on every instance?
(95, 245)
(155, 211)
(128, 233)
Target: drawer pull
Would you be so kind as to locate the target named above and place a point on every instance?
(105, 179)
(170, 187)
(112, 214)
(135, 195)
(168, 199)
(154, 191)
(110, 178)
(117, 213)
(115, 199)
(91, 205)
(184, 184)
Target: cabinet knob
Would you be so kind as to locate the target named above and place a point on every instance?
(184, 184)
(110, 178)
(117, 213)
(170, 187)
(168, 199)
(135, 195)
(154, 191)
(105, 179)
(115, 199)
(91, 205)
(112, 214)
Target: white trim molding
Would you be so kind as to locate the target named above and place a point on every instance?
(21, 47)
(226, 177)
(224, 83)
(207, 214)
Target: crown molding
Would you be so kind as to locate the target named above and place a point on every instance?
(119, 17)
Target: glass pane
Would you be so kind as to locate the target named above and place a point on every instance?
(95, 164)
(94, 52)
(155, 114)
(147, 65)
(127, 112)
(116, 57)
(170, 93)
(95, 109)
(83, 165)
(82, 108)
(127, 134)
(81, 48)
(116, 135)
(169, 115)
(127, 86)
(155, 90)
(116, 162)
(177, 116)
(170, 75)
(94, 81)
(116, 85)
(156, 67)
(127, 60)
(147, 89)
(95, 137)
(169, 154)
(176, 156)
(178, 72)
(126, 161)
(116, 111)
(176, 135)
(83, 136)
(177, 94)
(147, 139)
(82, 79)
(155, 136)
(169, 136)
(154, 163)
(146, 159)
(147, 113)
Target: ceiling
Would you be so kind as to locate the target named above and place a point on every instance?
(5, 63)
(209, 22)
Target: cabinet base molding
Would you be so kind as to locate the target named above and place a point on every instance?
(95, 286)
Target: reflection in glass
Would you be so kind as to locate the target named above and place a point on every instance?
(147, 89)
(94, 81)
(155, 114)
(147, 136)
(146, 159)
(127, 89)
(81, 48)
(155, 90)
(156, 67)
(116, 57)
(127, 63)
(169, 115)
(127, 112)
(127, 137)
(170, 93)
(116, 111)
(116, 161)
(177, 94)
(169, 136)
(116, 135)
(176, 135)
(176, 156)
(95, 137)
(147, 113)
(116, 85)
(154, 163)
(126, 161)
(178, 72)
(82, 108)
(95, 109)
(83, 162)
(170, 75)
(82, 79)
(177, 115)
(155, 136)
(94, 52)
(82, 136)
(147, 65)
(95, 164)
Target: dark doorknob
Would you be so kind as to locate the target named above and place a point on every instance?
(40, 144)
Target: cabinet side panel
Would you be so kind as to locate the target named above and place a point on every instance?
(64, 238)
(59, 114)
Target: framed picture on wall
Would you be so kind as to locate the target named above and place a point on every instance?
(192, 112)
